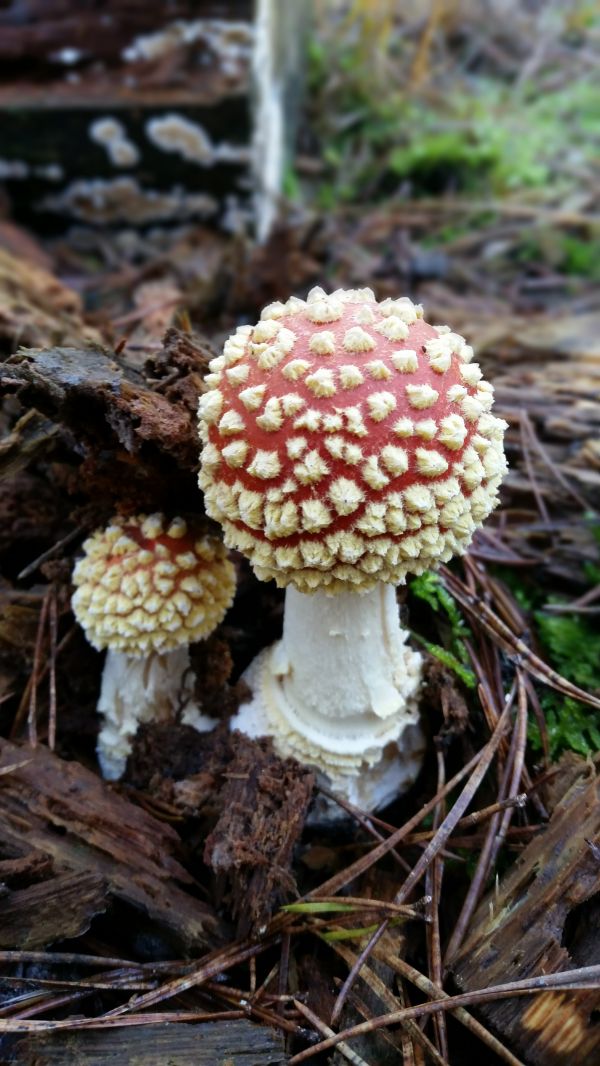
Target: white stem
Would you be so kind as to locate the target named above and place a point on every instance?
(133, 691)
(339, 692)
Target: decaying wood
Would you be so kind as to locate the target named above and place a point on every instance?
(264, 804)
(97, 397)
(68, 813)
(57, 909)
(137, 429)
(36, 308)
(107, 50)
(225, 1043)
(545, 918)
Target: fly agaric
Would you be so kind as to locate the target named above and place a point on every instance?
(146, 590)
(347, 443)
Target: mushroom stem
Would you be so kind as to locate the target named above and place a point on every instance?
(157, 688)
(339, 692)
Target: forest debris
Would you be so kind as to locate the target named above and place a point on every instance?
(31, 436)
(165, 754)
(222, 1043)
(441, 690)
(22, 864)
(69, 813)
(55, 909)
(37, 309)
(544, 918)
(264, 804)
(212, 663)
(101, 400)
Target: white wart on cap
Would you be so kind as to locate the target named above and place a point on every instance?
(146, 585)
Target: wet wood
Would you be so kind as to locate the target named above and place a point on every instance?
(264, 804)
(226, 1043)
(87, 829)
(545, 918)
(56, 909)
(95, 395)
(138, 427)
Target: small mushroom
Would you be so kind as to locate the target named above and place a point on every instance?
(347, 443)
(146, 590)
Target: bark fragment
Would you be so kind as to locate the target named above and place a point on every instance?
(225, 1043)
(264, 804)
(544, 918)
(57, 909)
(68, 813)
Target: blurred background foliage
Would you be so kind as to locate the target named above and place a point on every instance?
(478, 111)
(482, 99)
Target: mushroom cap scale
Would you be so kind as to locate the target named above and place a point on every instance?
(144, 585)
(348, 442)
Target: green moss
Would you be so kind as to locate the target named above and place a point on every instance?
(573, 645)
(431, 161)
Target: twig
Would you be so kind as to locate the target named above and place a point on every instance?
(355, 970)
(518, 765)
(360, 866)
(473, 819)
(37, 655)
(517, 647)
(212, 967)
(62, 543)
(324, 1029)
(284, 965)
(434, 847)
(459, 807)
(587, 977)
(433, 889)
(376, 985)
(364, 820)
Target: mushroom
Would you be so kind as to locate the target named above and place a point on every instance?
(347, 443)
(146, 590)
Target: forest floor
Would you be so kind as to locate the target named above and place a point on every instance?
(461, 924)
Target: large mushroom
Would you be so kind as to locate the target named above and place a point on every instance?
(146, 590)
(347, 443)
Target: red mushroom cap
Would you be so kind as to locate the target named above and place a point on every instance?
(348, 442)
(145, 584)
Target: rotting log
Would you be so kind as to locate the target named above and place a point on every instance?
(97, 397)
(176, 109)
(103, 77)
(545, 918)
(225, 1043)
(66, 812)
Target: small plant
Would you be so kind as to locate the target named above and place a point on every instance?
(429, 588)
(570, 643)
